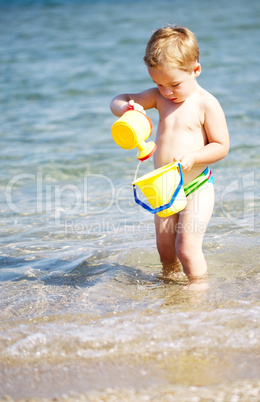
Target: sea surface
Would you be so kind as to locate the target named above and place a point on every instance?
(84, 315)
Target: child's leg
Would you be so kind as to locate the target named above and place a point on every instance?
(165, 239)
(179, 237)
(192, 225)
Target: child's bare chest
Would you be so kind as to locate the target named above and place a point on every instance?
(184, 117)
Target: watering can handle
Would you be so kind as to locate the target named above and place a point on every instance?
(165, 206)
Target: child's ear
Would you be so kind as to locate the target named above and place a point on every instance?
(197, 69)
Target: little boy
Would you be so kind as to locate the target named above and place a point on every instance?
(192, 129)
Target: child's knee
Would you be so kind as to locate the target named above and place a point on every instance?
(186, 250)
(182, 251)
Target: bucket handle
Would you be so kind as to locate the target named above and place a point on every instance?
(165, 206)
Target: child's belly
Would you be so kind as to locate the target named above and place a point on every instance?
(167, 149)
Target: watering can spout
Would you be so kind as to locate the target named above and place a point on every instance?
(146, 149)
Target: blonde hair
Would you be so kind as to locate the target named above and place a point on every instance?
(176, 46)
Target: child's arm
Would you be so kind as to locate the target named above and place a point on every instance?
(218, 138)
(141, 101)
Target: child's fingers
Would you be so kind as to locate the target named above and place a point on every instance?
(186, 160)
(128, 106)
(178, 158)
(131, 105)
(181, 158)
(139, 108)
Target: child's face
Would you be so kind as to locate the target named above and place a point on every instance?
(174, 84)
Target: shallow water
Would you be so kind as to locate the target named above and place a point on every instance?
(84, 314)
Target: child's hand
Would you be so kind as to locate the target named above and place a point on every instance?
(186, 160)
(131, 105)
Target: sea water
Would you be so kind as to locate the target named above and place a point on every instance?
(84, 315)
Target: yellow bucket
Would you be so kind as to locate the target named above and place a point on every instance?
(163, 188)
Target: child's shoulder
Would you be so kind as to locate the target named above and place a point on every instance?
(207, 100)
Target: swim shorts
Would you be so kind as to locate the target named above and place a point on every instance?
(196, 183)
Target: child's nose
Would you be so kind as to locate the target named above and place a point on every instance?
(167, 91)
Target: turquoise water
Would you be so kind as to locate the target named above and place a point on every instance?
(83, 313)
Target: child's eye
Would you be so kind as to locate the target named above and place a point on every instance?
(176, 85)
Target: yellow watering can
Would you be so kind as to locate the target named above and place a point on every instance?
(131, 130)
